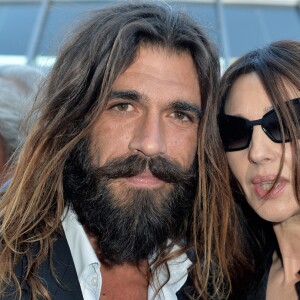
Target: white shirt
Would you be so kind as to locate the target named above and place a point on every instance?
(87, 265)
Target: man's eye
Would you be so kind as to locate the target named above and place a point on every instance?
(123, 107)
(179, 115)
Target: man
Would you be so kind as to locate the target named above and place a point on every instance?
(100, 206)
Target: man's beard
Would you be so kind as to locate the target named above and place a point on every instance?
(129, 223)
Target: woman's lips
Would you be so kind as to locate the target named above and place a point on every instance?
(145, 179)
(262, 186)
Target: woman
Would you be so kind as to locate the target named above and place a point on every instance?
(258, 117)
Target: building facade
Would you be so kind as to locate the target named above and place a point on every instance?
(32, 31)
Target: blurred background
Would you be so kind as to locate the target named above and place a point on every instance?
(31, 32)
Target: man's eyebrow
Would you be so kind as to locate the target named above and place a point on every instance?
(126, 95)
(175, 105)
(185, 106)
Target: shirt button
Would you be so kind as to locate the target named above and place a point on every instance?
(94, 281)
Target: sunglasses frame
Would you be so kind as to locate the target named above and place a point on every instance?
(250, 124)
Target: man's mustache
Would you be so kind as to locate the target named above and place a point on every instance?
(159, 166)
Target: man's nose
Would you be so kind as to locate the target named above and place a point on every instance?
(149, 136)
(262, 149)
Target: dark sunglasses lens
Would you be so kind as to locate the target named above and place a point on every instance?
(271, 125)
(234, 133)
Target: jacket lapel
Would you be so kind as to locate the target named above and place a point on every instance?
(67, 286)
(64, 285)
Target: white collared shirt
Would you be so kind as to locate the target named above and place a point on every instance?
(87, 265)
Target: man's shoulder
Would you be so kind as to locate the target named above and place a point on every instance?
(61, 281)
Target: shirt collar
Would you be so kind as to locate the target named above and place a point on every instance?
(81, 249)
(178, 268)
(84, 256)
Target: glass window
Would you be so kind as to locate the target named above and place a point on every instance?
(252, 26)
(16, 26)
(205, 15)
(63, 15)
(282, 23)
(61, 18)
(243, 29)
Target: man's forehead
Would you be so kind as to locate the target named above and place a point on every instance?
(159, 67)
(146, 49)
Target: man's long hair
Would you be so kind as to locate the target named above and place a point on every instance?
(78, 87)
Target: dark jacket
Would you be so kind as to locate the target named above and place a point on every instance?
(68, 287)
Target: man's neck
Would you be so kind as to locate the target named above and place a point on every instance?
(126, 281)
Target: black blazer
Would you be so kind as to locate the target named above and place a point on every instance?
(68, 287)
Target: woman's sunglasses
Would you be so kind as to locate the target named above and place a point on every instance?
(236, 132)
